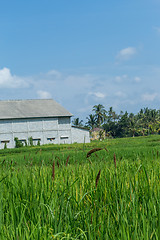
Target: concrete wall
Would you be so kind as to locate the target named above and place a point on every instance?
(47, 130)
(80, 135)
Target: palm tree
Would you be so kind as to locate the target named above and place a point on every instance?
(150, 119)
(132, 124)
(100, 114)
(112, 115)
(77, 123)
(91, 123)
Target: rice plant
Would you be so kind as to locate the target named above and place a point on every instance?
(77, 194)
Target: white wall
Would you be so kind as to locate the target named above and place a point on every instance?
(48, 130)
(80, 135)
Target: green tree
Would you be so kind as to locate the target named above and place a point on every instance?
(133, 124)
(77, 123)
(123, 125)
(149, 120)
(112, 116)
(91, 121)
(100, 114)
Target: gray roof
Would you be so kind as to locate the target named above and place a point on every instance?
(39, 108)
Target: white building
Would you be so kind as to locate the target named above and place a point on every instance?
(43, 120)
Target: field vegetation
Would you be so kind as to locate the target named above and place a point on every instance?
(123, 124)
(103, 190)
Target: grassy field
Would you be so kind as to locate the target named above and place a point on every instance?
(57, 192)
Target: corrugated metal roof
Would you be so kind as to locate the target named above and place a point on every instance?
(17, 109)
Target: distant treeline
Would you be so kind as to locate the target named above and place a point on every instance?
(124, 124)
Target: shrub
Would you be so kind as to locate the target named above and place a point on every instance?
(30, 140)
(18, 144)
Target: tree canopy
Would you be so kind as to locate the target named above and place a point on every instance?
(124, 124)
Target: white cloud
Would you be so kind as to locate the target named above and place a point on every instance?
(43, 94)
(79, 92)
(54, 73)
(126, 53)
(119, 79)
(7, 80)
(98, 94)
(137, 79)
(149, 97)
(125, 76)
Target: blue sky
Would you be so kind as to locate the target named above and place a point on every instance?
(81, 53)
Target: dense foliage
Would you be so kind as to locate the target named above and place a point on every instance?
(145, 122)
(124, 124)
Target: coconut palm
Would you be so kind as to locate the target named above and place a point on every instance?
(112, 115)
(91, 121)
(132, 124)
(77, 123)
(100, 114)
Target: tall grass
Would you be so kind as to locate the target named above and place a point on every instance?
(115, 197)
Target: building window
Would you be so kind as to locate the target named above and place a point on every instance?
(51, 139)
(36, 141)
(5, 141)
(22, 140)
(64, 137)
(64, 120)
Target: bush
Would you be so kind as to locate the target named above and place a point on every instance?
(38, 143)
(18, 144)
(30, 140)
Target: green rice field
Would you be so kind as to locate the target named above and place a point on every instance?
(75, 192)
